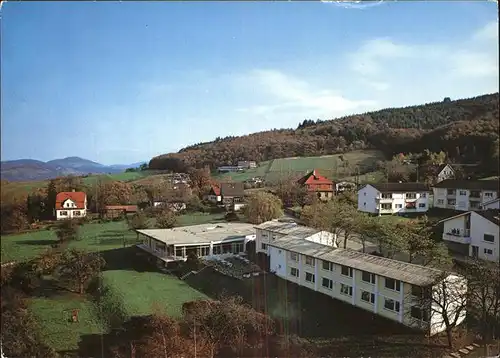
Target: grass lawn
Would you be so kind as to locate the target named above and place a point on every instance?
(143, 292)
(56, 329)
(93, 237)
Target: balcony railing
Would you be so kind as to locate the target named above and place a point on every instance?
(384, 199)
(461, 236)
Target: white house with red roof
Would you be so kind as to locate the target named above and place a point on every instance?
(71, 205)
(316, 183)
(214, 194)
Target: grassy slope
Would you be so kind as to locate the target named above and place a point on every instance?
(150, 290)
(328, 165)
(141, 291)
(53, 320)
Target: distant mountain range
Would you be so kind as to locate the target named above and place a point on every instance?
(29, 169)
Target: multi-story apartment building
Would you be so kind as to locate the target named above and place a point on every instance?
(491, 204)
(394, 198)
(389, 288)
(474, 234)
(464, 195)
(271, 230)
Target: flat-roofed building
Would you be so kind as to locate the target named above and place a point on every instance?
(206, 240)
(386, 287)
(274, 229)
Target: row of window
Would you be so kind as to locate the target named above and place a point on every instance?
(367, 277)
(65, 213)
(407, 195)
(388, 206)
(348, 271)
(473, 194)
(461, 204)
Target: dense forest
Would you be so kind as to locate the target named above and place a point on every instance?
(466, 129)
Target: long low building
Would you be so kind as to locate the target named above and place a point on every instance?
(171, 245)
(386, 287)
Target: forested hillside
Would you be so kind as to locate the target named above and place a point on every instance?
(465, 129)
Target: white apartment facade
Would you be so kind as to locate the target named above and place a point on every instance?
(389, 288)
(477, 232)
(271, 230)
(394, 198)
(492, 204)
(464, 195)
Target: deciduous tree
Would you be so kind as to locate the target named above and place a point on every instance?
(262, 206)
(66, 231)
(446, 301)
(79, 267)
(484, 296)
(166, 219)
(138, 221)
(200, 180)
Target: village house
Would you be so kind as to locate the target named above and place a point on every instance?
(474, 234)
(232, 195)
(206, 240)
(214, 194)
(316, 183)
(465, 195)
(229, 169)
(115, 211)
(71, 205)
(388, 288)
(394, 198)
(450, 171)
(247, 164)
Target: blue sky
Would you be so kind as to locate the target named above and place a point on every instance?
(122, 82)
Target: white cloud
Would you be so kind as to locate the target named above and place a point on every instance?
(473, 64)
(367, 60)
(290, 94)
(489, 32)
(476, 56)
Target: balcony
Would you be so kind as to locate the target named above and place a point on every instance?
(461, 236)
(384, 199)
(384, 210)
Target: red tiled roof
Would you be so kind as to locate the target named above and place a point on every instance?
(78, 197)
(216, 189)
(314, 178)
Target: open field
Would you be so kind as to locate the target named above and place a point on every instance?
(370, 177)
(331, 166)
(143, 292)
(93, 237)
